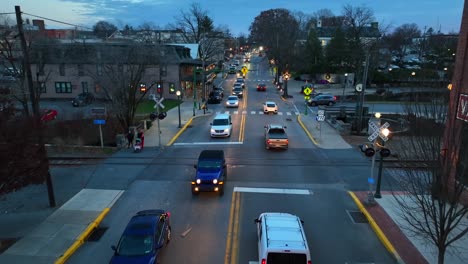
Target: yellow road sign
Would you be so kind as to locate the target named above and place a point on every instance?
(244, 70)
(307, 97)
(307, 91)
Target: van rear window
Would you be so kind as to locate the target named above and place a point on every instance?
(286, 258)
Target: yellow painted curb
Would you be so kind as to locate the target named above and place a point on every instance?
(180, 132)
(382, 237)
(306, 131)
(81, 239)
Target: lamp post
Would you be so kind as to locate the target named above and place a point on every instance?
(344, 87)
(178, 106)
(195, 71)
(286, 78)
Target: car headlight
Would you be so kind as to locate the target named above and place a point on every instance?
(215, 181)
(212, 130)
(198, 181)
(226, 130)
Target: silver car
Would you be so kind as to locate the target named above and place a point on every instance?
(232, 101)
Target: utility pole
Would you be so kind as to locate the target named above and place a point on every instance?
(362, 95)
(33, 93)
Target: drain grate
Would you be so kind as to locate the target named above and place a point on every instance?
(5, 243)
(357, 217)
(97, 234)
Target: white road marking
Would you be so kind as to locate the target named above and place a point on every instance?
(252, 112)
(272, 190)
(208, 143)
(297, 113)
(280, 113)
(244, 112)
(236, 112)
(288, 113)
(185, 233)
(261, 113)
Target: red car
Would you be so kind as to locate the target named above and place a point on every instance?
(48, 114)
(261, 87)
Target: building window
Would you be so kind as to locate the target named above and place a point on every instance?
(63, 87)
(84, 87)
(62, 69)
(80, 70)
(99, 69)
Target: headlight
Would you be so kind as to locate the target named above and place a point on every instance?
(212, 130)
(215, 181)
(226, 130)
(198, 181)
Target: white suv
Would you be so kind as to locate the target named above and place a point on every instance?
(270, 107)
(281, 236)
(221, 126)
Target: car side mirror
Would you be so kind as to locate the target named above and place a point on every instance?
(302, 221)
(256, 220)
(285, 127)
(195, 166)
(114, 248)
(230, 123)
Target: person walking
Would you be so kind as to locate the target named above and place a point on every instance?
(130, 137)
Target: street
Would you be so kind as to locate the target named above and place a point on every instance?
(303, 180)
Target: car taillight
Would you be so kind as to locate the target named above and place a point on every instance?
(287, 141)
(334, 98)
(263, 261)
(168, 214)
(268, 141)
(309, 262)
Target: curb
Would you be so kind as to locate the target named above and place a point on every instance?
(307, 131)
(81, 239)
(387, 244)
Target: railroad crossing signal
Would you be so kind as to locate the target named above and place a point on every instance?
(378, 131)
(244, 70)
(159, 103)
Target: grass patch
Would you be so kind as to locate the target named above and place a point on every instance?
(147, 106)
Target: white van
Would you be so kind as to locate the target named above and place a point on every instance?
(281, 239)
(221, 126)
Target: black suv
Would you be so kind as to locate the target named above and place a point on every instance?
(215, 97)
(83, 99)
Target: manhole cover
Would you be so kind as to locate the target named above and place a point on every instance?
(357, 217)
(97, 234)
(5, 243)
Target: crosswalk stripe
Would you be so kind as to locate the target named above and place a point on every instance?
(237, 112)
(252, 112)
(288, 113)
(280, 113)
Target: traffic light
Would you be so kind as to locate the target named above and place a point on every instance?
(368, 149)
(142, 87)
(384, 152)
(153, 116)
(172, 89)
(159, 88)
(162, 115)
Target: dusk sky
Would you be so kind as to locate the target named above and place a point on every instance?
(237, 15)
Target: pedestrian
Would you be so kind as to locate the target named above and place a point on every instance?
(130, 137)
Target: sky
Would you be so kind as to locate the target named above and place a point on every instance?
(237, 15)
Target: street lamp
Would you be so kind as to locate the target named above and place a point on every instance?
(178, 106)
(286, 77)
(377, 194)
(344, 87)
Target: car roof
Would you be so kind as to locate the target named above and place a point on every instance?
(233, 97)
(221, 116)
(276, 126)
(143, 223)
(270, 102)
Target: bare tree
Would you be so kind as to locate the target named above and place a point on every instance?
(400, 42)
(124, 68)
(194, 23)
(431, 205)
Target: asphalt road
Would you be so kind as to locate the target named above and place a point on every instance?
(212, 229)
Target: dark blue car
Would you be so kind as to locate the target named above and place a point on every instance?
(210, 172)
(145, 235)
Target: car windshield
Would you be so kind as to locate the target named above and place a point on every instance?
(209, 164)
(232, 98)
(220, 122)
(271, 105)
(237, 89)
(135, 245)
(276, 131)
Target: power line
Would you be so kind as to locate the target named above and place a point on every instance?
(12, 13)
(57, 21)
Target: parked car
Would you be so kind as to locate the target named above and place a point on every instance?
(323, 99)
(83, 99)
(261, 87)
(270, 107)
(49, 114)
(232, 101)
(215, 97)
(220, 90)
(147, 233)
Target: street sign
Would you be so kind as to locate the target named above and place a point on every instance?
(244, 70)
(98, 111)
(159, 103)
(99, 122)
(320, 118)
(378, 131)
(307, 91)
(462, 109)
(320, 112)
